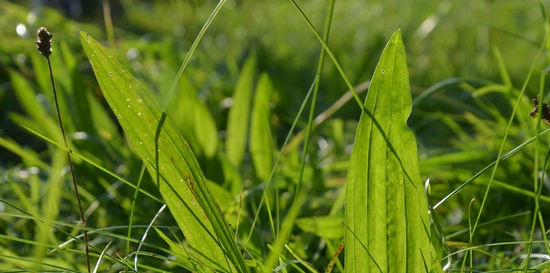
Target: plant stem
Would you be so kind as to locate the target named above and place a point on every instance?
(44, 47)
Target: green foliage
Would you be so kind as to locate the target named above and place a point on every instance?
(168, 158)
(232, 78)
(238, 116)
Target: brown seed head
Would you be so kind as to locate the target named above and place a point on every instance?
(545, 111)
(44, 41)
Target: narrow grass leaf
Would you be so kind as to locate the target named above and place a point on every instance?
(261, 139)
(170, 162)
(194, 119)
(239, 114)
(33, 107)
(386, 212)
(29, 157)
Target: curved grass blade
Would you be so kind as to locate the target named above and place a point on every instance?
(170, 162)
(387, 220)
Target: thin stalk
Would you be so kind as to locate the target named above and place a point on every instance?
(108, 23)
(45, 48)
(301, 190)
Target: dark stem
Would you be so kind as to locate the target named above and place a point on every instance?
(75, 186)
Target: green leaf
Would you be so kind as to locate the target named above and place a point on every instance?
(239, 115)
(326, 227)
(194, 119)
(261, 140)
(386, 212)
(26, 96)
(170, 162)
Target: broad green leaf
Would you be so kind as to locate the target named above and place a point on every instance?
(170, 162)
(239, 115)
(261, 140)
(386, 212)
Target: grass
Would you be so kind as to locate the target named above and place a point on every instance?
(202, 117)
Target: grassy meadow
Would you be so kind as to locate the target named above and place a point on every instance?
(276, 136)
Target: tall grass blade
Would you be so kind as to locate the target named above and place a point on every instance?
(195, 121)
(261, 141)
(239, 114)
(170, 162)
(387, 220)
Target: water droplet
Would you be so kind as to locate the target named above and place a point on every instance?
(127, 99)
(139, 100)
(118, 116)
(122, 70)
(129, 106)
(110, 74)
(139, 113)
(194, 203)
(141, 143)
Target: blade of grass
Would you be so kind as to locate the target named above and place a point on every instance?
(239, 114)
(386, 209)
(261, 140)
(503, 143)
(169, 160)
(50, 205)
(195, 121)
(302, 189)
(92, 163)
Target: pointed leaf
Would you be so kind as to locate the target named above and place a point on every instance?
(261, 140)
(239, 115)
(194, 119)
(386, 209)
(169, 160)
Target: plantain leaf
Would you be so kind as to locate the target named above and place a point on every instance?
(170, 162)
(239, 115)
(386, 212)
(195, 120)
(261, 140)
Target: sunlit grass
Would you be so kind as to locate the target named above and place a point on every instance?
(473, 130)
